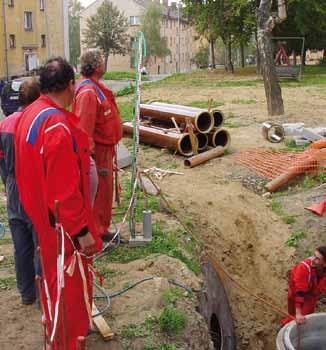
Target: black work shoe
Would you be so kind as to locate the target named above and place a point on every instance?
(28, 300)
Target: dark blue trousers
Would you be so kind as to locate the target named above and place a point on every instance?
(26, 257)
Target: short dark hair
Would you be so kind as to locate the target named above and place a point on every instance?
(322, 251)
(29, 91)
(56, 75)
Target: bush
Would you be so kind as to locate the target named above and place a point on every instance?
(172, 320)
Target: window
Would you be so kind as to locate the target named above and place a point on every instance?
(12, 41)
(134, 20)
(42, 5)
(11, 3)
(43, 40)
(28, 21)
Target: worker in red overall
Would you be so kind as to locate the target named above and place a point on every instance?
(52, 164)
(307, 281)
(99, 116)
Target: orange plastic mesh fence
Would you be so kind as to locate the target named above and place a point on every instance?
(271, 163)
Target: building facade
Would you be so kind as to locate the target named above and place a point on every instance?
(30, 32)
(175, 29)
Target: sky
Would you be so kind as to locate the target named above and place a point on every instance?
(87, 2)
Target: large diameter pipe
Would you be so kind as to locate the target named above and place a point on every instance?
(202, 120)
(218, 117)
(204, 157)
(202, 141)
(161, 138)
(219, 137)
(216, 113)
(308, 164)
(288, 175)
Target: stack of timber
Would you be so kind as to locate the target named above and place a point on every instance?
(187, 130)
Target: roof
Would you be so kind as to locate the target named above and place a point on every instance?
(170, 11)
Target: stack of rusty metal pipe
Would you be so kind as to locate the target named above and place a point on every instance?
(167, 125)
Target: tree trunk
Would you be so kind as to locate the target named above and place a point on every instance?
(273, 90)
(242, 54)
(213, 53)
(229, 64)
(106, 59)
(294, 54)
(258, 62)
(303, 58)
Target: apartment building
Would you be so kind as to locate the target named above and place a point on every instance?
(175, 28)
(30, 32)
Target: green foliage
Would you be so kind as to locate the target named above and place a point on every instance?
(75, 8)
(278, 209)
(172, 320)
(107, 30)
(171, 295)
(5, 241)
(308, 182)
(201, 58)
(231, 125)
(138, 330)
(205, 104)
(295, 238)
(7, 283)
(164, 346)
(126, 91)
(126, 110)
(163, 243)
(121, 76)
(308, 253)
(305, 18)
(151, 27)
(291, 146)
(322, 177)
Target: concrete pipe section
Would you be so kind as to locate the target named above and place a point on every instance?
(218, 118)
(202, 141)
(309, 336)
(215, 308)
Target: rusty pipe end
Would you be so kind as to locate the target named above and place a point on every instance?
(202, 141)
(221, 137)
(204, 122)
(184, 145)
(218, 118)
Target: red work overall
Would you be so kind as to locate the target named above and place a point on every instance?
(304, 288)
(52, 163)
(99, 116)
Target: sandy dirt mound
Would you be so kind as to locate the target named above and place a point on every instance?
(245, 236)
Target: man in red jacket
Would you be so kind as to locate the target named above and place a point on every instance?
(52, 166)
(21, 228)
(307, 281)
(99, 116)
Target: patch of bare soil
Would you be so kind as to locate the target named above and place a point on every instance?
(237, 224)
(228, 213)
(146, 301)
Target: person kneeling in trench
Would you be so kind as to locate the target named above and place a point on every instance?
(307, 280)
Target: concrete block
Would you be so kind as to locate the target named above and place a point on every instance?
(124, 156)
(310, 135)
(300, 141)
(292, 129)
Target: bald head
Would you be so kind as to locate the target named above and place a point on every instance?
(29, 91)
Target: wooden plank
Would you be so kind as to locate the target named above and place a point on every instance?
(101, 324)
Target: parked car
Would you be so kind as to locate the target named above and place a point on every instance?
(10, 95)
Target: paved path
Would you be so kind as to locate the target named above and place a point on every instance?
(116, 85)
